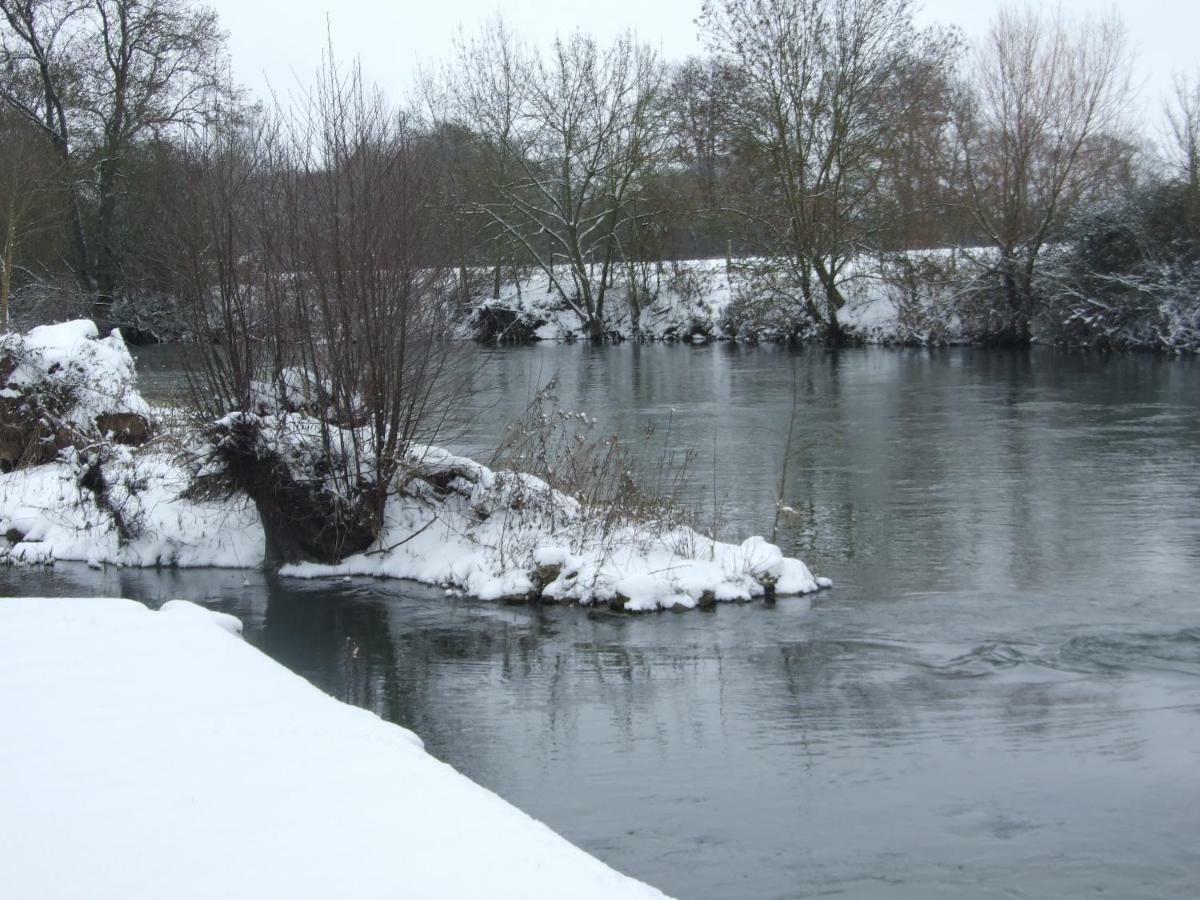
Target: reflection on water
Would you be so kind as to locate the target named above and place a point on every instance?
(1000, 697)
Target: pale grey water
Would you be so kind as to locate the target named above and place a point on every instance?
(999, 698)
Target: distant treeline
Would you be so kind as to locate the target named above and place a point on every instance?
(141, 185)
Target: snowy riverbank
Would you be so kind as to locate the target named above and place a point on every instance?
(448, 521)
(935, 297)
(704, 300)
(494, 535)
(150, 754)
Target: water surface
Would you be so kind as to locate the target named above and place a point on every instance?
(999, 698)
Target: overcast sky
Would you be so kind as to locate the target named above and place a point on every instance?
(278, 41)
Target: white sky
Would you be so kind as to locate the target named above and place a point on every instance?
(280, 41)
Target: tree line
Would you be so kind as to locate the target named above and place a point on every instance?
(815, 144)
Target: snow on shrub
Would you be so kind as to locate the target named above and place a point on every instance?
(65, 386)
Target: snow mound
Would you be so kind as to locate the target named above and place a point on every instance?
(63, 385)
(47, 514)
(457, 523)
(503, 534)
(151, 754)
(98, 372)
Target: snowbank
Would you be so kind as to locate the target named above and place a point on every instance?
(492, 534)
(505, 534)
(46, 514)
(63, 386)
(151, 754)
(449, 520)
(680, 301)
(98, 372)
(904, 298)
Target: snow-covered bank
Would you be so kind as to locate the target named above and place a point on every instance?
(151, 754)
(675, 301)
(505, 534)
(935, 297)
(492, 534)
(703, 300)
(448, 520)
(46, 514)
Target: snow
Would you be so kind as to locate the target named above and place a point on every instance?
(150, 754)
(449, 521)
(703, 300)
(687, 302)
(494, 530)
(98, 372)
(489, 535)
(57, 519)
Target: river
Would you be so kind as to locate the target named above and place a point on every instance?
(1000, 697)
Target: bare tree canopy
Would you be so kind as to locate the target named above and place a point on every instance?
(315, 270)
(817, 110)
(574, 132)
(1040, 122)
(95, 76)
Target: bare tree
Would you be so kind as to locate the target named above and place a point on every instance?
(698, 100)
(1043, 98)
(576, 132)
(96, 76)
(26, 199)
(1183, 117)
(317, 266)
(697, 105)
(817, 111)
(918, 167)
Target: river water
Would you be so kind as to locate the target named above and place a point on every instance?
(999, 698)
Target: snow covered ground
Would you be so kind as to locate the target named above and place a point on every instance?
(49, 516)
(684, 299)
(492, 534)
(505, 534)
(454, 522)
(155, 754)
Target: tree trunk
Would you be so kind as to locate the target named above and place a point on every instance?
(496, 281)
(595, 330)
(108, 254)
(10, 240)
(1015, 330)
(835, 334)
(76, 234)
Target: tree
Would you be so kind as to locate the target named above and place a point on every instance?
(1183, 117)
(818, 108)
(314, 259)
(25, 208)
(697, 105)
(1038, 129)
(918, 169)
(97, 76)
(575, 133)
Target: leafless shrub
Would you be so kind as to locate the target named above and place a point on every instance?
(608, 477)
(923, 287)
(315, 271)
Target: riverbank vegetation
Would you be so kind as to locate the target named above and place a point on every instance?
(824, 171)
